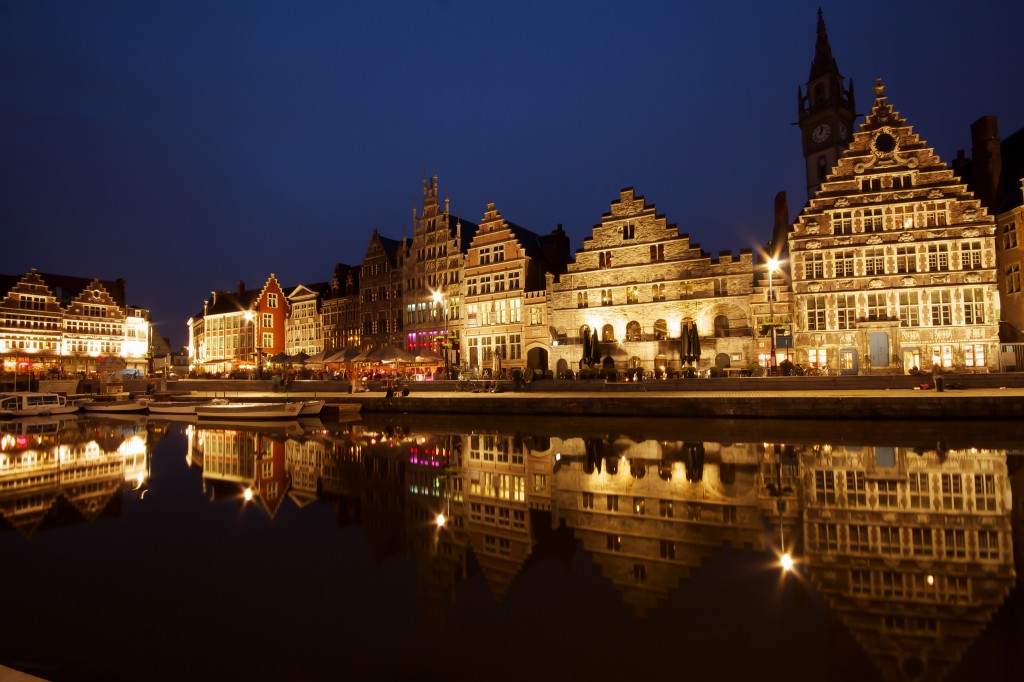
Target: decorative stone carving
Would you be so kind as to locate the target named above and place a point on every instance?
(940, 279)
(812, 228)
(906, 237)
(972, 277)
(908, 282)
(814, 244)
(911, 335)
(943, 334)
(874, 239)
(814, 287)
(935, 194)
(971, 213)
(842, 202)
(971, 232)
(876, 284)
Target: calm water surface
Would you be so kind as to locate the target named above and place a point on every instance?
(569, 549)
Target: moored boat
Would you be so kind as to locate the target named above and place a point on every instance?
(344, 409)
(162, 407)
(250, 411)
(117, 406)
(311, 408)
(34, 404)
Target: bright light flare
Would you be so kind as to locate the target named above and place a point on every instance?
(247, 494)
(787, 562)
(441, 520)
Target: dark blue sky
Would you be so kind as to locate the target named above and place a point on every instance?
(186, 145)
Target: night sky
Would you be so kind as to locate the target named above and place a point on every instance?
(187, 145)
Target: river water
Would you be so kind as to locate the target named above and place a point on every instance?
(429, 548)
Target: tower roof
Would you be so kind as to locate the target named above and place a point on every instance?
(823, 62)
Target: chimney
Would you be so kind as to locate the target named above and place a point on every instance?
(987, 172)
(241, 287)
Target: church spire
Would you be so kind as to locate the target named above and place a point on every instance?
(823, 62)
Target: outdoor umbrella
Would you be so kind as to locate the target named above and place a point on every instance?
(586, 348)
(389, 354)
(427, 355)
(300, 357)
(595, 348)
(318, 358)
(280, 357)
(694, 343)
(365, 356)
(343, 355)
(684, 343)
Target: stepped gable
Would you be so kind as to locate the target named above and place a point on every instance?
(887, 144)
(65, 288)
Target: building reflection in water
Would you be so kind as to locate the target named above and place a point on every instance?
(910, 546)
(60, 469)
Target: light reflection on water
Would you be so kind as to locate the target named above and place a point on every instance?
(605, 546)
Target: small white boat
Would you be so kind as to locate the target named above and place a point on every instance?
(163, 407)
(117, 406)
(34, 404)
(250, 411)
(311, 408)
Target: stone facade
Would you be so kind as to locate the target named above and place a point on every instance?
(504, 264)
(637, 281)
(893, 261)
(238, 329)
(340, 311)
(380, 293)
(433, 276)
(64, 323)
(304, 327)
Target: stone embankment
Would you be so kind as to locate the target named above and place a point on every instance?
(966, 396)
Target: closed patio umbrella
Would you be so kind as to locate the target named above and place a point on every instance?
(694, 343)
(586, 348)
(595, 348)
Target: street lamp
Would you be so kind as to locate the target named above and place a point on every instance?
(773, 265)
(439, 300)
(253, 319)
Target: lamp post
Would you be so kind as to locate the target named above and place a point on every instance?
(439, 300)
(773, 265)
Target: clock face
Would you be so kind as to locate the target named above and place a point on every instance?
(820, 133)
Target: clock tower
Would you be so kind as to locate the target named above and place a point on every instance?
(825, 112)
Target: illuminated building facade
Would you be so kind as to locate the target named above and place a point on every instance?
(638, 283)
(238, 330)
(433, 275)
(380, 293)
(893, 262)
(504, 264)
(58, 323)
(340, 309)
(304, 324)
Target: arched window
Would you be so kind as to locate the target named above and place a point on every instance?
(608, 333)
(633, 331)
(660, 330)
(584, 330)
(721, 326)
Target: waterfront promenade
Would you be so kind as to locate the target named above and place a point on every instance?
(979, 397)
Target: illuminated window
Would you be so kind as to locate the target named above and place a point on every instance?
(974, 305)
(988, 544)
(842, 222)
(271, 300)
(888, 540)
(1013, 285)
(921, 542)
(974, 355)
(582, 300)
(1010, 236)
(827, 536)
(614, 542)
(954, 544)
(657, 253)
(952, 492)
(874, 261)
(814, 265)
(942, 307)
(920, 495)
(628, 231)
(660, 330)
(665, 508)
(984, 492)
(906, 259)
(825, 487)
(860, 539)
(910, 309)
(873, 220)
(856, 489)
(846, 311)
(658, 292)
(633, 331)
(970, 255)
(816, 313)
(844, 264)
(817, 357)
(877, 306)
(888, 496)
(632, 294)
